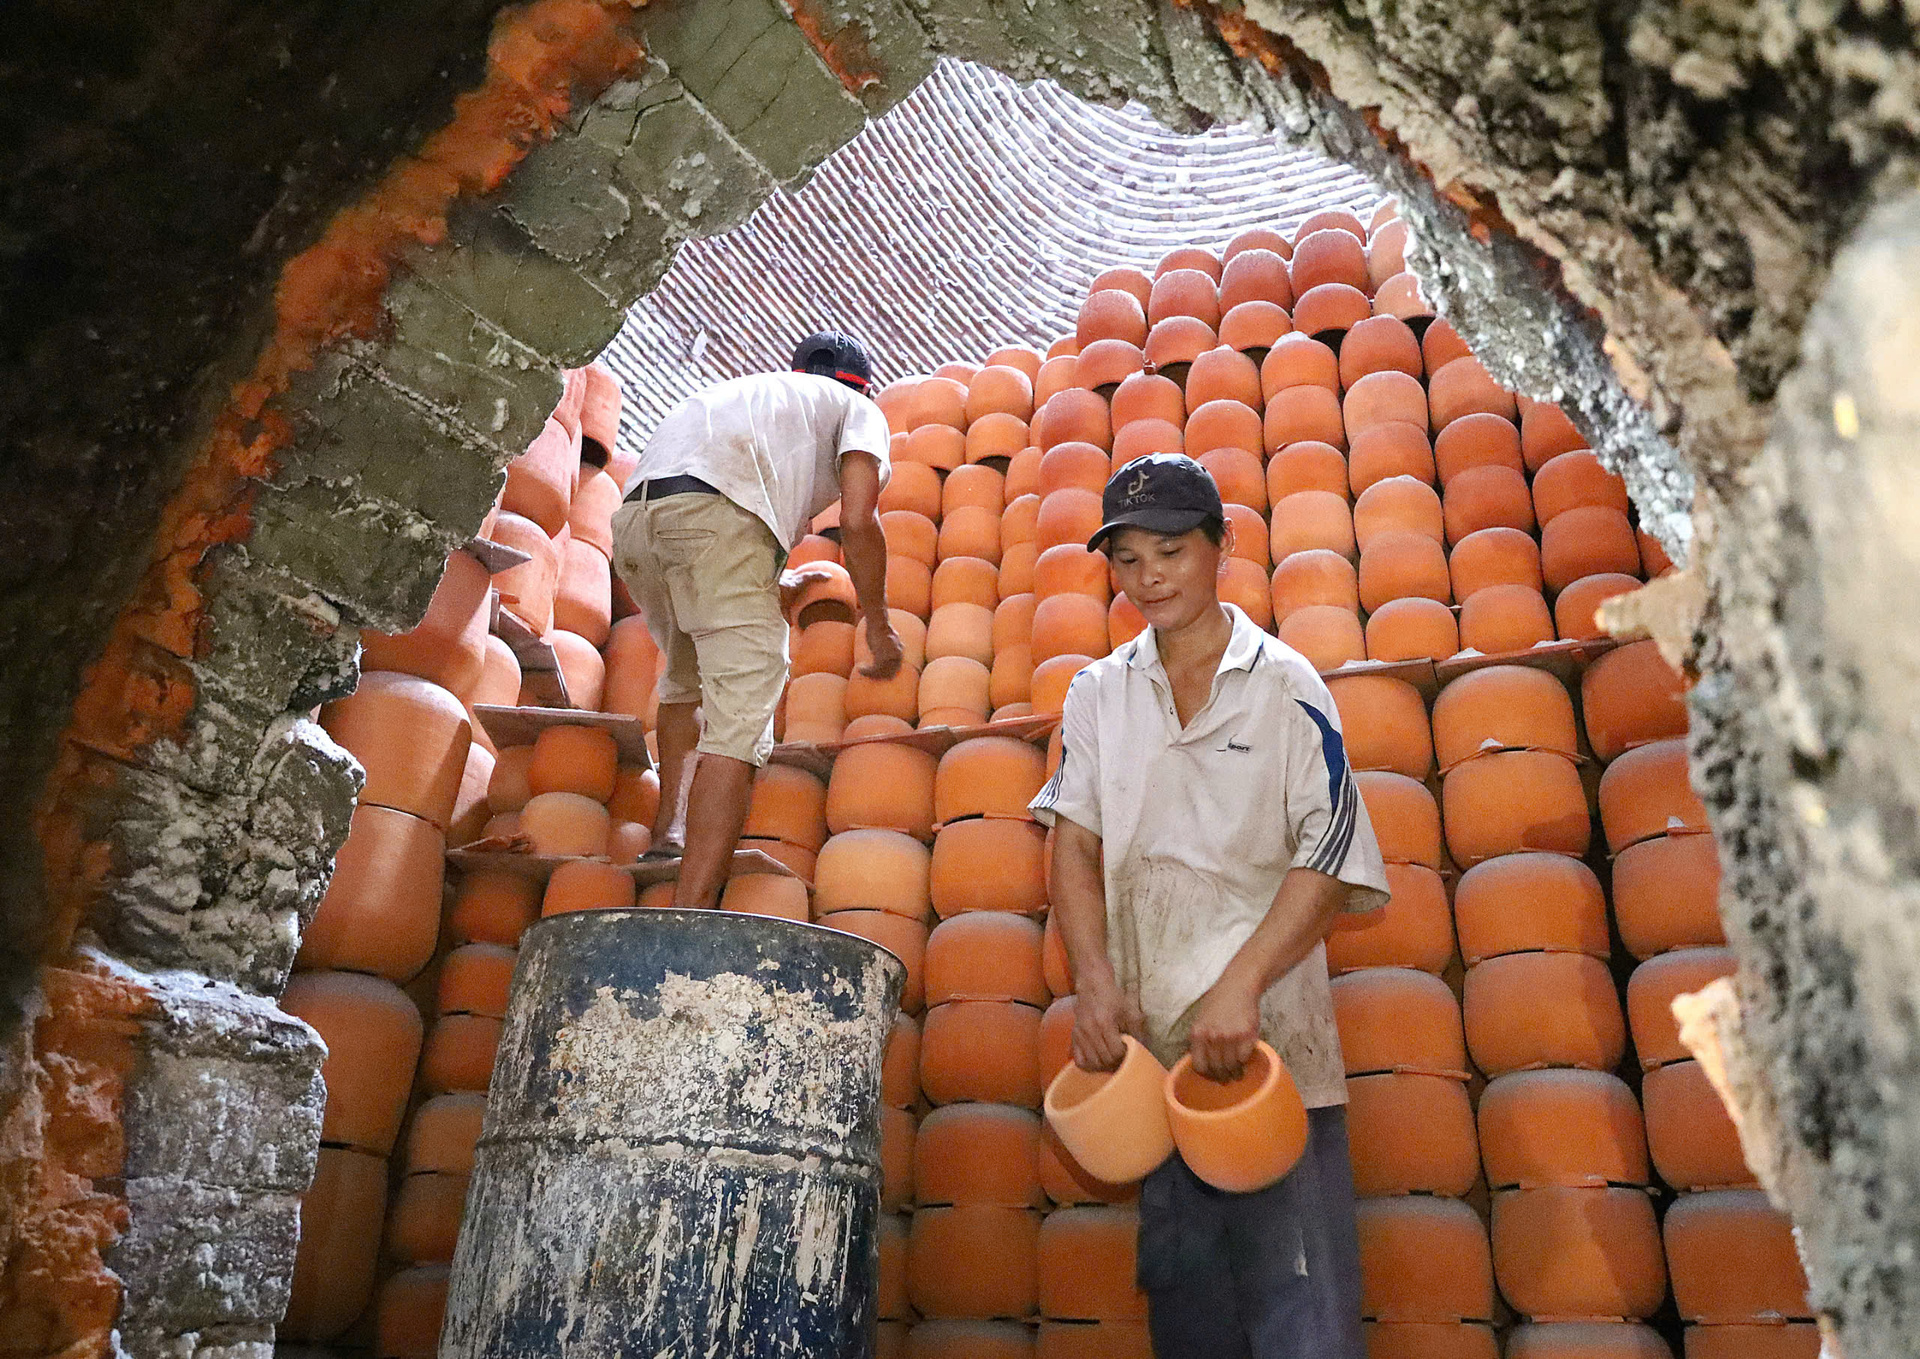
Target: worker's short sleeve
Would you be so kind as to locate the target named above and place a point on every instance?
(1074, 790)
(1331, 831)
(864, 430)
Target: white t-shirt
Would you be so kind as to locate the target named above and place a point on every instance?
(770, 442)
(1199, 826)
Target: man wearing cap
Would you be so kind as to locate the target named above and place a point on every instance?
(728, 483)
(1208, 836)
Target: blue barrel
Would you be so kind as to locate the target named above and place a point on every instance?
(681, 1154)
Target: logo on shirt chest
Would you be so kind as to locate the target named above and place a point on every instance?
(1237, 747)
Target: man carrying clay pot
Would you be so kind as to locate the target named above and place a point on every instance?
(1208, 834)
(727, 484)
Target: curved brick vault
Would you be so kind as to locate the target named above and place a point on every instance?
(291, 287)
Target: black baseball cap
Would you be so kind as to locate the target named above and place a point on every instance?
(835, 354)
(1163, 492)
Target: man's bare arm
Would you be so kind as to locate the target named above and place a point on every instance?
(864, 547)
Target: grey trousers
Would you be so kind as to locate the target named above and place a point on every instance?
(1268, 1275)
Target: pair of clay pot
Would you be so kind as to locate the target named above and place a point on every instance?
(1239, 1135)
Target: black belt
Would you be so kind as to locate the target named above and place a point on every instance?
(664, 486)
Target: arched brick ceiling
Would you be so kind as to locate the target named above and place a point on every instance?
(972, 216)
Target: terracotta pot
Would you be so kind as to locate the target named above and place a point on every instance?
(891, 1302)
(1093, 1340)
(527, 590)
(1488, 497)
(816, 710)
(1646, 792)
(1298, 360)
(1503, 707)
(540, 481)
(988, 864)
(1016, 567)
(1400, 565)
(1412, 930)
(581, 760)
(443, 1132)
(1080, 466)
(499, 681)
(1050, 681)
(981, 1050)
(565, 824)
(1173, 344)
(1023, 357)
(1400, 504)
(1001, 389)
(896, 697)
(767, 894)
(871, 726)
(1496, 619)
(1733, 1259)
(339, 1236)
(1328, 635)
(1569, 481)
(1189, 257)
(1585, 541)
(372, 1031)
(1105, 364)
(1328, 219)
(581, 667)
(409, 1311)
(1069, 568)
(587, 885)
(1575, 609)
(410, 736)
(1253, 328)
(1392, 448)
(1113, 1124)
(1244, 585)
(1430, 1340)
(1241, 480)
(900, 1070)
(1124, 622)
(1491, 557)
(1056, 375)
(657, 897)
(628, 840)
(788, 804)
(1257, 238)
(1074, 415)
(955, 692)
(1304, 578)
(1384, 397)
(883, 870)
(1512, 800)
(633, 665)
(1330, 256)
(1411, 629)
(1440, 345)
(1398, 1019)
(1256, 275)
(1223, 374)
(381, 911)
(1224, 424)
(1329, 310)
(824, 648)
(974, 1262)
(1401, 297)
(1788, 1340)
(936, 400)
(911, 535)
(448, 646)
(1240, 1135)
(975, 487)
(492, 907)
(1387, 252)
(1249, 525)
(1651, 992)
(881, 786)
(1423, 1260)
(1069, 515)
(1562, 1128)
(824, 597)
(1546, 433)
(964, 580)
(964, 630)
(590, 514)
(1145, 396)
(1384, 721)
(1654, 561)
(1527, 1010)
(938, 445)
(1689, 1132)
(1069, 624)
(475, 978)
(1589, 1340)
(1463, 387)
(978, 1155)
(1087, 1265)
(1629, 697)
(970, 1340)
(1666, 895)
(1521, 903)
(1111, 314)
(1405, 817)
(1298, 414)
(905, 939)
(1478, 440)
(1056, 1022)
(992, 776)
(425, 1222)
(1411, 1134)
(912, 486)
(1185, 292)
(1564, 1252)
(1306, 521)
(1011, 681)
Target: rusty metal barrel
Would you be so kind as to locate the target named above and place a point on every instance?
(681, 1153)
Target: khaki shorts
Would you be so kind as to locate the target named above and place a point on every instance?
(706, 574)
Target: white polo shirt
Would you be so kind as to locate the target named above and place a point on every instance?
(770, 442)
(1199, 826)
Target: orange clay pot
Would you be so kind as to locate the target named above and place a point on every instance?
(1073, 416)
(410, 736)
(1253, 328)
(540, 481)
(1050, 681)
(1298, 414)
(985, 955)
(1398, 1019)
(1105, 364)
(1330, 310)
(1562, 1128)
(767, 894)
(1546, 433)
(1501, 618)
(874, 725)
(937, 445)
(938, 400)
(1512, 800)
(1411, 629)
(1056, 1027)
(1647, 792)
(1381, 344)
(992, 776)
(1224, 424)
(964, 630)
(573, 760)
(1631, 696)
(981, 1050)
(1328, 635)
(1400, 296)
(581, 667)
(892, 1303)
(969, 1340)
(372, 1031)
(1309, 520)
(1127, 278)
(1330, 256)
(955, 691)
(1486, 497)
(632, 665)
(583, 595)
(1308, 466)
(339, 1235)
(1239, 1135)
(1113, 1124)
(1391, 448)
(1494, 556)
(1569, 481)
(474, 980)
(896, 697)
(425, 1222)
(913, 487)
(1666, 894)
(1244, 585)
(974, 1262)
(1256, 275)
(1011, 680)
(1080, 466)
(1412, 930)
(499, 681)
(1312, 576)
(1399, 504)
(1689, 1132)
(587, 885)
(448, 645)
(1143, 437)
(1463, 387)
(1069, 624)
(1479, 440)
(816, 710)
(565, 824)
(1384, 722)
(1423, 1260)
(381, 911)
(1056, 375)
(1223, 374)
(1576, 608)
(1396, 564)
(1513, 707)
(828, 596)
(1431, 1340)
(1570, 1252)
(1654, 561)
(975, 487)
(1584, 541)
(988, 864)
(900, 1070)
(1651, 992)
(1070, 569)
(1411, 1134)
(910, 535)
(1241, 479)
(978, 1155)
(1520, 903)
(443, 1132)
(881, 786)
(1441, 345)
(1087, 1265)
(527, 590)
(1329, 219)
(824, 648)
(1733, 1259)
(905, 939)
(1249, 527)
(1173, 345)
(1185, 292)
(875, 870)
(1189, 257)
(1405, 817)
(1383, 398)
(1002, 389)
(1070, 515)
(1020, 522)
(1111, 314)
(1527, 1010)
(1298, 360)
(1257, 238)
(458, 1054)
(492, 907)
(1589, 1340)
(1124, 622)
(1788, 1340)
(1386, 251)
(964, 580)
(899, 1138)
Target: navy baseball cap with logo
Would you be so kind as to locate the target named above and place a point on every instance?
(1163, 492)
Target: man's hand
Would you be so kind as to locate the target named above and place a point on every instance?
(1101, 1014)
(883, 647)
(794, 581)
(1225, 1030)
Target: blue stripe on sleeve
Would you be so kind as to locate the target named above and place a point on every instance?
(1341, 795)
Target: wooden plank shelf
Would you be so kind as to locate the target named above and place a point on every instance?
(539, 867)
(522, 726)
